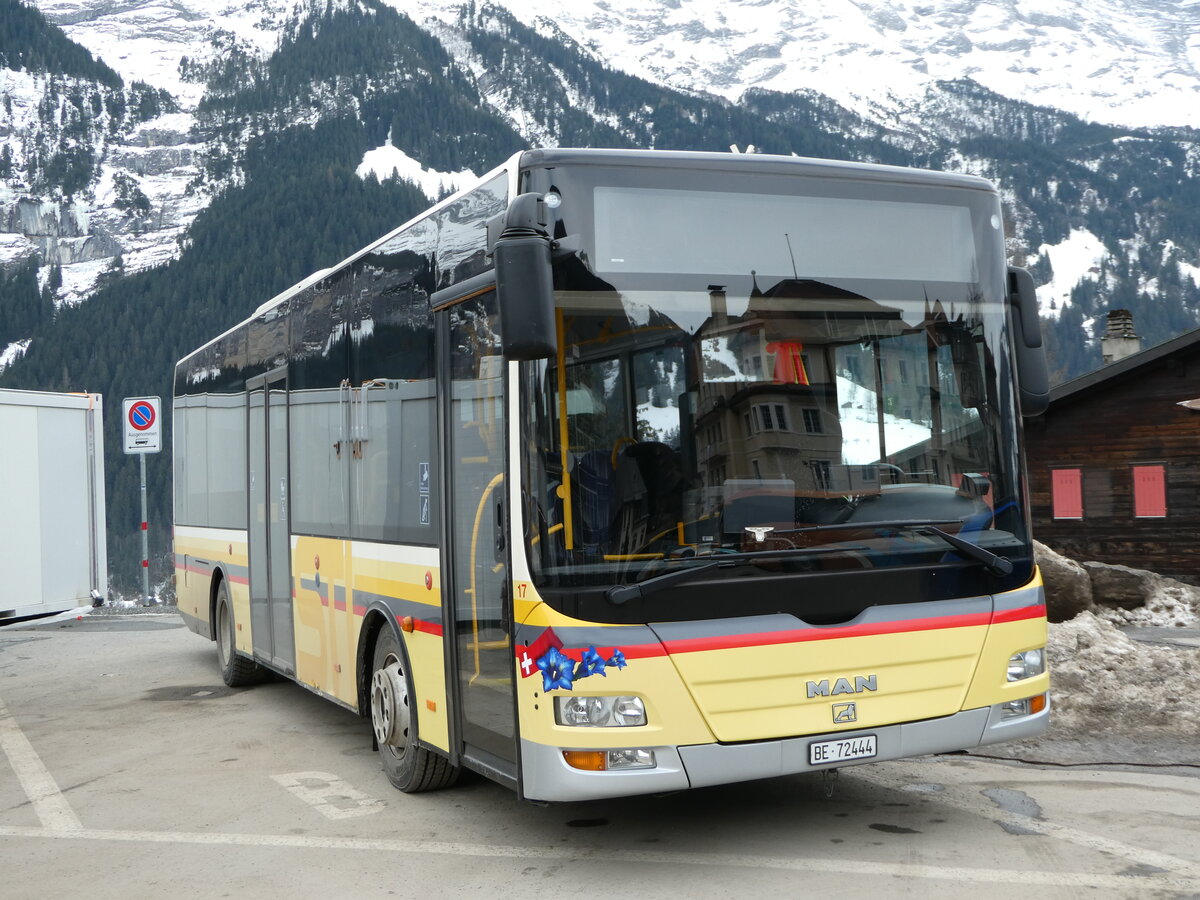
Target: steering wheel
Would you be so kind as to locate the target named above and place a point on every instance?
(618, 444)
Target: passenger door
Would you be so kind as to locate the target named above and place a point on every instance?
(476, 555)
(270, 538)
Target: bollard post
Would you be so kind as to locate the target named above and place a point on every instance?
(145, 538)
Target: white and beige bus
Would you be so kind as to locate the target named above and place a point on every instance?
(623, 472)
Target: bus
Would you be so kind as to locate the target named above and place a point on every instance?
(623, 472)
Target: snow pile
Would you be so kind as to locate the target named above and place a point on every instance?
(1104, 683)
(1171, 605)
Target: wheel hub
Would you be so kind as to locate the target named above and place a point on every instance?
(389, 705)
(224, 643)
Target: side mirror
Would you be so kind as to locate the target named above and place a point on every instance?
(1033, 379)
(525, 282)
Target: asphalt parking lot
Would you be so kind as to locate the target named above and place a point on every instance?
(131, 770)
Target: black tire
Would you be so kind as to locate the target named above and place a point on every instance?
(408, 766)
(237, 671)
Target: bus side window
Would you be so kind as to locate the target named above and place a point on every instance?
(391, 364)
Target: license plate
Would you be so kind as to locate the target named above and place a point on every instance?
(822, 753)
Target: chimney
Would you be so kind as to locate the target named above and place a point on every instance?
(1120, 340)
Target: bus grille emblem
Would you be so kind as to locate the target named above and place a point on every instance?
(845, 712)
(760, 531)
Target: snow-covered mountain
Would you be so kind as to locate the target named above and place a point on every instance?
(1129, 62)
(891, 70)
(1125, 62)
(215, 151)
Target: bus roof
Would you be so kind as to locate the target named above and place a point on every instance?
(677, 159)
(757, 162)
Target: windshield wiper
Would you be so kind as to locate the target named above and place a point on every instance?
(995, 565)
(992, 564)
(620, 594)
(623, 593)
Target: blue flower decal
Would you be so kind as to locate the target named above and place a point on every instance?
(592, 663)
(561, 671)
(557, 670)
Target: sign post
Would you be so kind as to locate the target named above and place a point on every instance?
(143, 434)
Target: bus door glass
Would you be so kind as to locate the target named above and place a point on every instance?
(270, 562)
(475, 438)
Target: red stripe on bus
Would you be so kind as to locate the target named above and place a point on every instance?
(728, 642)
(801, 635)
(423, 626)
(1018, 615)
(630, 651)
(239, 579)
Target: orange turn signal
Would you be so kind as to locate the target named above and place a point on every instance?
(591, 760)
(1037, 704)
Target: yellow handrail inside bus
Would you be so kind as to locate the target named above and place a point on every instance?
(565, 487)
(487, 492)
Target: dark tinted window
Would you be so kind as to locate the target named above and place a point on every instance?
(462, 232)
(319, 408)
(392, 411)
(209, 424)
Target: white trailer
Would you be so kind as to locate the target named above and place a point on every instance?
(52, 533)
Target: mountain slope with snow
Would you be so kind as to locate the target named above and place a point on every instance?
(274, 138)
(866, 71)
(1126, 62)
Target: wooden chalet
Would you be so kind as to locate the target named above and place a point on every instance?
(1114, 463)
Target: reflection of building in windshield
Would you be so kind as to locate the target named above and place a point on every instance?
(832, 393)
(769, 398)
(683, 424)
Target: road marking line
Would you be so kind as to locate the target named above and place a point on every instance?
(978, 805)
(857, 868)
(329, 795)
(39, 785)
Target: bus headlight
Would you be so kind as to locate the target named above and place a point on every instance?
(599, 712)
(610, 760)
(1027, 664)
(1027, 707)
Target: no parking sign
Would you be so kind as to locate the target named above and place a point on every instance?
(142, 422)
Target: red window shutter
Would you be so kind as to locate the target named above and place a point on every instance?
(1066, 486)
(1149, 492)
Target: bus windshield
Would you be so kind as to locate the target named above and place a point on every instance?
(833, 411)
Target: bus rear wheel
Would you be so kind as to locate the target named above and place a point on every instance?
(237, 671)
(408, 766)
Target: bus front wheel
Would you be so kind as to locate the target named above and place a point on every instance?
(237, 671)
(408, 766)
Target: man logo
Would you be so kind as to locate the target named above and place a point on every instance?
(844, 713)
(760, 531)
(860, 685)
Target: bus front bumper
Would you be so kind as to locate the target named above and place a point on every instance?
(547, 776)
